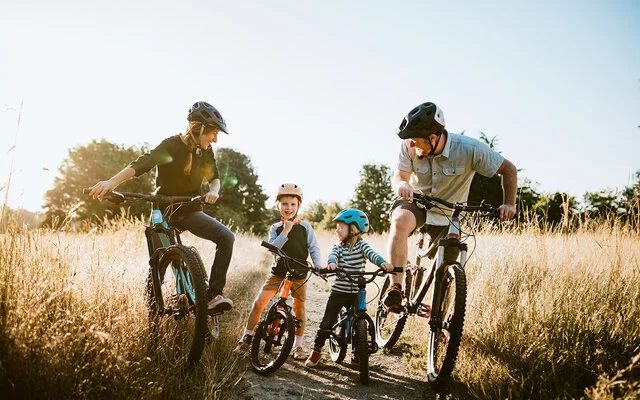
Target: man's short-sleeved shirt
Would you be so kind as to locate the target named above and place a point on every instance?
(448, 175)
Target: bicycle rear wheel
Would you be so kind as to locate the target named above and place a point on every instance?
(338, 339)
(446, 333)
(179, 290)
(389, 325)
(272, 342)
(362, 335)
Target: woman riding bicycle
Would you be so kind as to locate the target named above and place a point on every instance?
(186, 163)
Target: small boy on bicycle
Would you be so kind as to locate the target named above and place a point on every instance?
(352, 254)
(298, 240)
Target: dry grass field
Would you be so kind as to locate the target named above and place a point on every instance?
(549, 315)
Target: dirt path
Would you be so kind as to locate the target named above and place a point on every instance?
(390, 376)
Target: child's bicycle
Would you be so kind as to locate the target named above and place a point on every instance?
(275, 334)
(177, 285)
(447, 308)
(354, 325)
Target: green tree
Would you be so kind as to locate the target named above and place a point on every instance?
(83, 167)
(557, 208)
(314, 213)
(601, 204)
(331, 210)
(528, 197)
(631, 200)
(374, 195)
(242, 199)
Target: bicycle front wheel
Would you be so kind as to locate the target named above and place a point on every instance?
(389, 325)
(446, 331)
(179, 290)
(272, 342)
(363, 349)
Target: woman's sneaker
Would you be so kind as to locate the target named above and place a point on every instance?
(299, 353)
(314, 359)
(220, 303)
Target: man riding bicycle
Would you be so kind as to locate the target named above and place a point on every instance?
(441, 164)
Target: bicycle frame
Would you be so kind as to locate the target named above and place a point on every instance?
(452, 240)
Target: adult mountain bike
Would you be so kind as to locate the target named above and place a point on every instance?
(275, 334)
(448, 303)
(177, 284)
(354, 325)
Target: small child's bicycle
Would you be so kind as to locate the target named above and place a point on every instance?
(354, 325)
(177, 285)
(275, 334)
(447, 308)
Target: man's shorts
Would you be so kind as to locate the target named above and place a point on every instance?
(421, 217)
(298, 288)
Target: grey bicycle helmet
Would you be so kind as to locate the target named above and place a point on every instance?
(204, 112)
(424, 120)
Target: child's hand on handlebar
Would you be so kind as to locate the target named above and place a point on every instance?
(332, 266)
(386, 266)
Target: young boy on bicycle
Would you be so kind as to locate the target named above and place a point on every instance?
(352, 254)
(298, 240)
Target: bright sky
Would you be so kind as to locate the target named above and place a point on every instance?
(311, 91)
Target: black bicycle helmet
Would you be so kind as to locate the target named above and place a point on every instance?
(424, 120)
(204, 112)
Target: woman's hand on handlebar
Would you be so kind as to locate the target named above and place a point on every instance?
(211, 197)
(101, 188)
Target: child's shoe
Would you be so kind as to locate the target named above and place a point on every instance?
(299, 354)
(244, 344)
(355, 359)
(314, 359)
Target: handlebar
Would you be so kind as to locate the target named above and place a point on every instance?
(350, 274)
(280, 253)
(119, 197)
(486, 210)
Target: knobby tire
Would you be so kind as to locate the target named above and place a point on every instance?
(189, 262)
(286, 326)
(444, 343)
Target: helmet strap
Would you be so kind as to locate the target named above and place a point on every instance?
(433, 148)
(194, 142)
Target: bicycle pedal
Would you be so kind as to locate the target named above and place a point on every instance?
(424, 310)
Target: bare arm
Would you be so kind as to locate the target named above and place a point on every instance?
(401, 184)
(509, 174)
(214, 189)
(103, 187)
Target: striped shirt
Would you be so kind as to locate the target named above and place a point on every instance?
(353, 260)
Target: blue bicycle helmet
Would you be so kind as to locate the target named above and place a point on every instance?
(421, 122)
(204, 112)
(354, 216)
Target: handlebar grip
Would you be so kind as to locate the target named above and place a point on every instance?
(324, 271)
(269, 246)
(398, 269)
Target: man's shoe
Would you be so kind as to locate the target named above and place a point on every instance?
(314, 359)
(393, 296)
(299, 353)
(220, 303)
